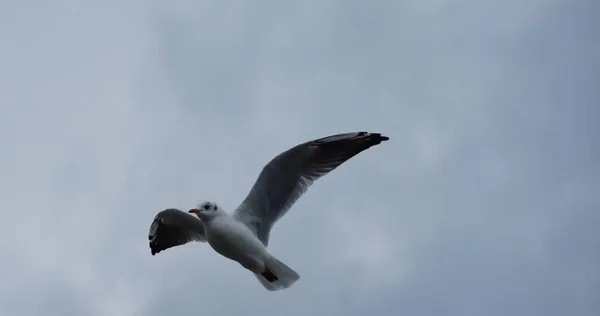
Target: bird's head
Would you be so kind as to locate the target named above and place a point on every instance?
(206, 211)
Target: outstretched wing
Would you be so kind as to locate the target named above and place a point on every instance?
(173, 227)
(287, 177)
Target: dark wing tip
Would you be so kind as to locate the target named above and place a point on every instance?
(154, 234)
(349, 142)
(155, 248)
(379, 137)
(370, 139)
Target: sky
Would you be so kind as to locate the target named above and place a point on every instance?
(483, 202)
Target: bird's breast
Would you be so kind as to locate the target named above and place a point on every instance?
(234, 241)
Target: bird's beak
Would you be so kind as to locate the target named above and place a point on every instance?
(194, 210)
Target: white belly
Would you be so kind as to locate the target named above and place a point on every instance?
(234, 241)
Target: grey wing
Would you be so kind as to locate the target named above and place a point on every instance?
(173, 227)
(289, 175)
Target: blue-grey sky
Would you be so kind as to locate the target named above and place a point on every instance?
(484, 202)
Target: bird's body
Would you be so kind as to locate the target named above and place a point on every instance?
(235, 241)
(243, 235)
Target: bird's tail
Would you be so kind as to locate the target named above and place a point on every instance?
(277, 276)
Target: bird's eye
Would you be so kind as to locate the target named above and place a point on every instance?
(207, 207)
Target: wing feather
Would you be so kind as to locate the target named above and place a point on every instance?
(173, 227)
(288, 176)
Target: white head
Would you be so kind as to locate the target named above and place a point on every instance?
(207, 211)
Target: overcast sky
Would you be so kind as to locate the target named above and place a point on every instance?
(484, 202)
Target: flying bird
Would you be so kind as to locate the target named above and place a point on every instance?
(243, 235)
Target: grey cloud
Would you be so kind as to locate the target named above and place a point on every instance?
(481, 203)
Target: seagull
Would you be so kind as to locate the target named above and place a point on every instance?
(243, 235)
